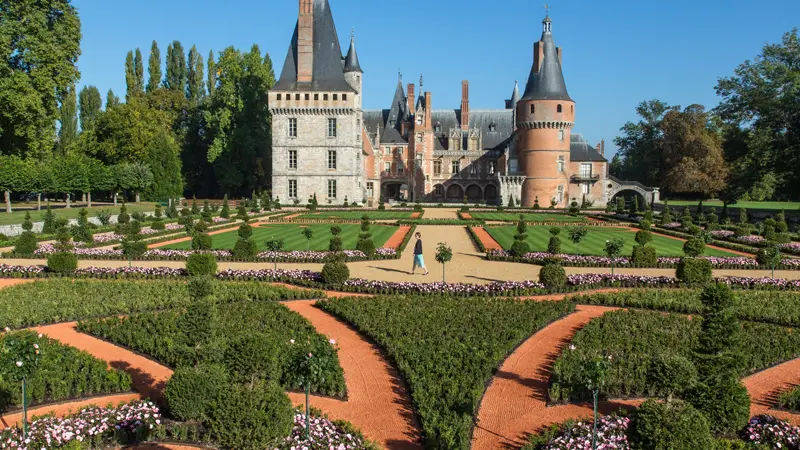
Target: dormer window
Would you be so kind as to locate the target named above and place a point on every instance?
(493, 126)
(558, 108)
(438, 127)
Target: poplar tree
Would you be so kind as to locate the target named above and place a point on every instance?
(130, 75)
(212, 73)
(195, 90)
(68, 133)
(139, 72)
(90, 104)
(154, 68)
(111, 99)
(176, 67)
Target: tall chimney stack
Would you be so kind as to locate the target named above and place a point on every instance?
(465, 105)
(305, 42)
(428, 111)
(411, 98)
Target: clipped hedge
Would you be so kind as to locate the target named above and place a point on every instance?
(694, 271)
(634, 338)
(59, 300)
(63, 373)
(199, 264)
(166, 337)
(674, 425)
(447, 349)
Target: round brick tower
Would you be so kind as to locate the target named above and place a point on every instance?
(545, 116)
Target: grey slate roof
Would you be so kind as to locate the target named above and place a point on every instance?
(548, 83)
(328, 73)
(515, 95)
(351, 60)
(501, 121)
(580, 150)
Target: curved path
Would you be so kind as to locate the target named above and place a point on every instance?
(378, 402)
(515, 403)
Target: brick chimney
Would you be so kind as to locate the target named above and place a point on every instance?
(411, 98)
(602, 147)
(428, 110)
(305, 42)
(538, 55)
(465, 105)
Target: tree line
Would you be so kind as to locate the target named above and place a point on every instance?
(746, 148)
(198, 127)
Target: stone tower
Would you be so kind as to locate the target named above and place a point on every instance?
(545, 116)
(316, 114)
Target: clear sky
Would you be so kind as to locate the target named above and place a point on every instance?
(616, 53)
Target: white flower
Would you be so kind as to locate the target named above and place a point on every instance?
(19, 363)
(7, 329)
(291, 341)
(332, 341)
(572, 347)
(36, 346)
(40, 335)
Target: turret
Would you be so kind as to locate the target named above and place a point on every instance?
(352, 70)
(544, 117)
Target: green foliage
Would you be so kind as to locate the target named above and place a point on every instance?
(250, 418)
(198, 264)
(62, 262)
(520, 248)
(644, 256)
(49, 219)
(205, 334)
(59, 372)
(694, 247)
(123, 217)
(613, 247)
(61, 300)
(769, 256)
(81, 232)
(25, 244)
(672, 425)
(790, 400)
(669, 373)
(162, 160)
(225, 212)
(644, 237)
(577, 235)
(132, 245)
(553, 276)
(245, 247)
(335, 244)
(190, 391)
(200, 287)
(554, 246)
(447, 372)
(335, 270)
(694, 271)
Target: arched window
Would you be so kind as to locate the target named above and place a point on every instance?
(533, 108)
(558, 108)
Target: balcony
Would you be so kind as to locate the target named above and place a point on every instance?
(577, 178)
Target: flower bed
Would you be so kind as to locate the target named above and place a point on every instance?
(325, 435)
(611, 434)
(95, 427)
(772, 432)
(719, 262)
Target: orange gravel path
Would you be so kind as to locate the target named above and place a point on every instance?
(466, 216)
(397, 238)
(377, 401)
(67, 408)
(486, 239)
(764, 388)
(515, 403)
(8, 282)
(415, 215)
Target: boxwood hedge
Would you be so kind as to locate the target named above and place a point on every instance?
(60, 300)
(447, 349)
(62, 373)
(634, 338)
(164, 336)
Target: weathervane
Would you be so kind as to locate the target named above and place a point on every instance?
(420, 82)
(399, 76)
(352, 33)
(546, 9)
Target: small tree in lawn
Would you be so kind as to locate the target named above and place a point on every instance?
(554, 246)
(200, 237)
(81, 231)
(275, 246)
(245, 247)
(241, 212)
(64, 260)
(536, 203)
(132, 245)
(613, 249)
(123, 217)
(158, 221)
(444, 255)
(577, 235)
(521, 247)
(770, 256)
(335, 244)
(19, 358)
(308, 234)
(595, 376)
(195, 208)
(49, 221)
(381, 203)
(206, 213)
(365, 243)
(225, 212)
(26, 243)
(666, 217)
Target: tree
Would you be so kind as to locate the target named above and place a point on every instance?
(163, 159)
(13, 177)
(130, 76)
(275, 246)
(141, 178)
(692, 151)
(444, 255)
(195, 89)
(757, 101)
(176, 68)
(238, 121)
(308, 234)
(111, 100)
(71, 174)
(68, 131)
(91, 105)
(154, 68)
(613, 249)
(639, 145)
(138, 72)
(577, 235)
(41, 45)
(212, 73)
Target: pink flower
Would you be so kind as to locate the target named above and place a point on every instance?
(310, 355)
(19, 363)
(332, 341)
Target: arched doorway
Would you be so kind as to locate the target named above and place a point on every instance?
(455, 193)
(490, 194)
(474, 193)
(438, 193)
(395, 191)
(628, 196)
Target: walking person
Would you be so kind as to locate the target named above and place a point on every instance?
(418, 260)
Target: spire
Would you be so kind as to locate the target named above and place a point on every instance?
(546, 81)
(351, 60)
(515, 95)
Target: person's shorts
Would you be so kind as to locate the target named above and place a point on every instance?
(419, 261)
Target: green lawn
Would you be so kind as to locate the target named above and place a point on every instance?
(18, 216)
(356, 215)
(595, 241)
(529, 217)
(749, 205)
(293, 238)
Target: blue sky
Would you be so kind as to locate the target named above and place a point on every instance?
(616, 53)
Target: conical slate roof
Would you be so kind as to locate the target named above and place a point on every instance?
(515, 95)
(328, 73)
(351, 60)
(548, 83)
